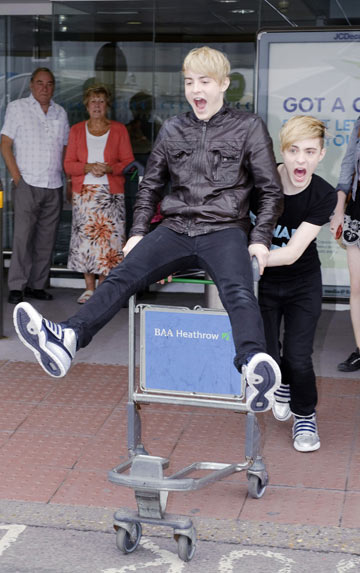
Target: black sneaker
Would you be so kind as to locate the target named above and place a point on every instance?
(350, 364)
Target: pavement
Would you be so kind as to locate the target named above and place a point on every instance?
(59, 438)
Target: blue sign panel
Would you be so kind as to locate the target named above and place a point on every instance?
(189, 351)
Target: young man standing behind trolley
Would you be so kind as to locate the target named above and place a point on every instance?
(212, 156)
(290, 290)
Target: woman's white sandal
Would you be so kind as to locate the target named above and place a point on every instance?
(84, 297)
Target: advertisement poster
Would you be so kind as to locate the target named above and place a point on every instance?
(314, 73)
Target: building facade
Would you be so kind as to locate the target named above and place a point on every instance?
(136, 47)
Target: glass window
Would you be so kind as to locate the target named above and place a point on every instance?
(137, 48)
(25, 44)
(2, 112)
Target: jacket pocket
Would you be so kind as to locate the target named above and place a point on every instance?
(181, 157)
(225, 162)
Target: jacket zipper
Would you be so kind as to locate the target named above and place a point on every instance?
(198, 164)
(201, 148)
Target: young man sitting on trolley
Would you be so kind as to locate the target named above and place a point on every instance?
(213, 156)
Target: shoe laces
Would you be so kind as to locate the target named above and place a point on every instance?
(54, 328)
(304, 426)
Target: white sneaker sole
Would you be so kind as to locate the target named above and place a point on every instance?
(31, 331)
(263, 377)
(305, 449)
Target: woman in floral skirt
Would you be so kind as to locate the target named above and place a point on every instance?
(98, 152)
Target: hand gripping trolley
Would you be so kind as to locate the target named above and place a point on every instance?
(186, 375)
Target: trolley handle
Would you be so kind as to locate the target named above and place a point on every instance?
(255, 269)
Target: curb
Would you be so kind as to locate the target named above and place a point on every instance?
(246, 533)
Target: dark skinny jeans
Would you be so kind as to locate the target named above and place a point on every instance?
(291, 310)
(223, 254)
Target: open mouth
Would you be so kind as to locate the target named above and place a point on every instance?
(299, 174)
(200, 103)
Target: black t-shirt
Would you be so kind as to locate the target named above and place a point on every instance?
(312, 205)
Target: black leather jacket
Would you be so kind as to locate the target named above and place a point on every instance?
(212, 167)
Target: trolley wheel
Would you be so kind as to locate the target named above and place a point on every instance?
(255, 488)
(186, 548)
(128, 542)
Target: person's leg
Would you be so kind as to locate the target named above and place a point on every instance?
(49, 204)
(271, 311)
(157, 255)
(224, 255)
(302, 311)
(353, 257)
(90, 280)
(271, 296)
(352, 363)
(24, 223)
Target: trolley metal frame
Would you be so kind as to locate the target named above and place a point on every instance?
(144, 473)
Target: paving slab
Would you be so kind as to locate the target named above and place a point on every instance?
(59, 438)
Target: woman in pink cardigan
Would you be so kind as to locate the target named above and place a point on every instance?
(98, 152)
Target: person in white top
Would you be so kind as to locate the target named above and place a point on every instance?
(33, 141)
(97, 153)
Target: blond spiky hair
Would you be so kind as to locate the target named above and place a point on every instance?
(207, 61)
(301, 127)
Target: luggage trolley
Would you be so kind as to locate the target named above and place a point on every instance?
(208, 379)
